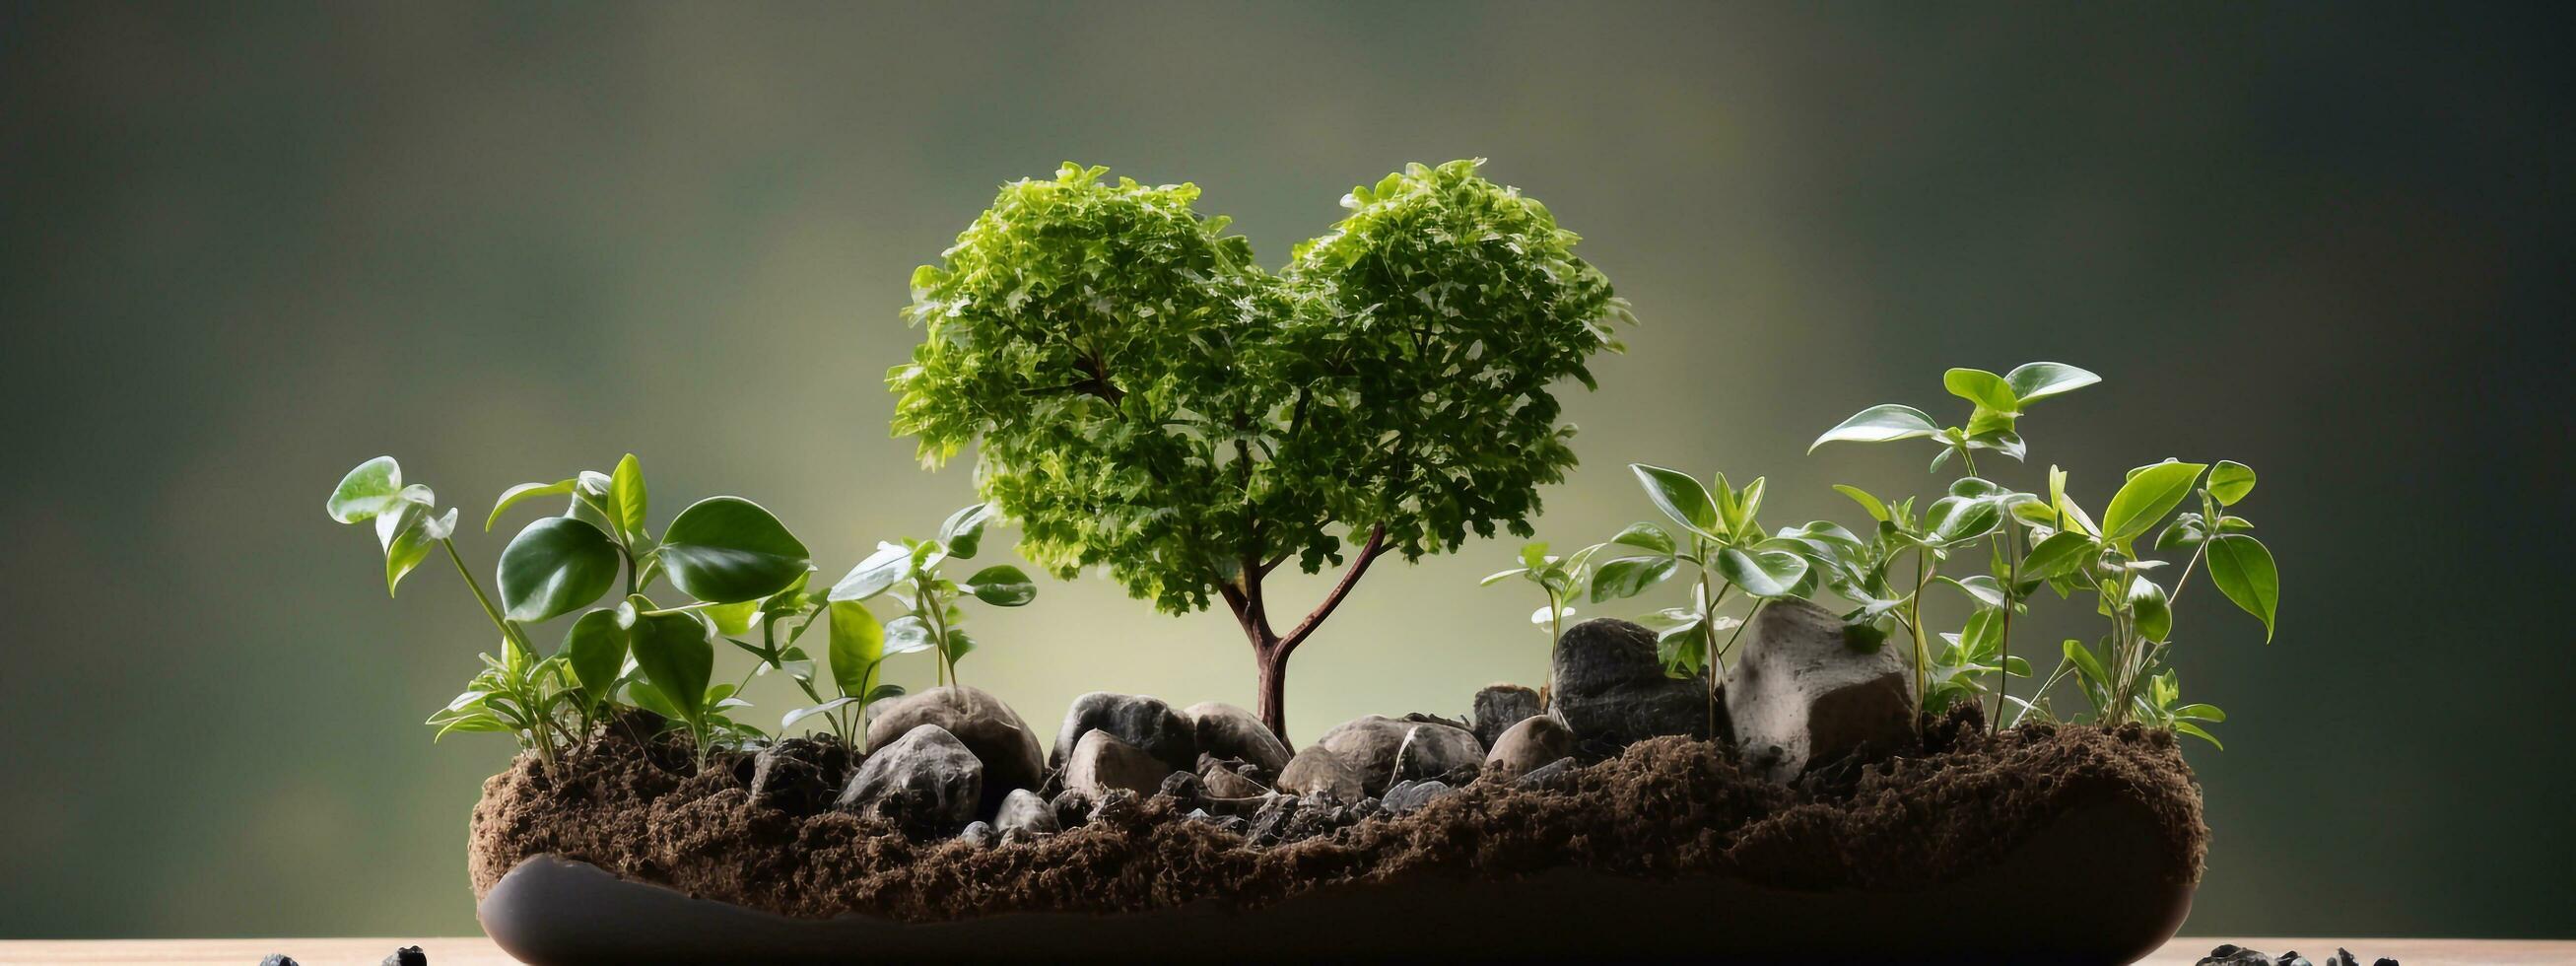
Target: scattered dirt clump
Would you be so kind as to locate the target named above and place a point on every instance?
(1663, 808)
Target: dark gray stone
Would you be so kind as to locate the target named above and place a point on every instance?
(1227, 731)
(1405, 797)
(925, 780)
(996, 734)
(278, 959)
(1142, 721)
(978, 835)
(1072, 808)
(1606, 683)
(1798, 685)
(1386, 750)
(1023, 810)
(1555, 776)
(1530, 744)
(407, 956)
(1500, 706)
(1183, 788)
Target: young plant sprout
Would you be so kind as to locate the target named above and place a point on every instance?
(1553, 576)
(909, 572)
(1145, 398)
(723, 551)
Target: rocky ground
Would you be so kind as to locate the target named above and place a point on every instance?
(1803, 771)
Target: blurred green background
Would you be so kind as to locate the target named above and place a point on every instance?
(244, 247)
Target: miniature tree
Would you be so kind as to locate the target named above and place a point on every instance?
(1145, 398)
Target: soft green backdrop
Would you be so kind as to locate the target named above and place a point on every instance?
(242, 248)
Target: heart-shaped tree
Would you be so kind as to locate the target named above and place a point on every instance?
(1146, 398)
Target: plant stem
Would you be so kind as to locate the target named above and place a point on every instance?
(2003, 643)
(1922, 649)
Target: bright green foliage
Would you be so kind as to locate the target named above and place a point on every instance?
(1145, 398)
(2027, 542)
(1553, 578)
(739, 563)
(909, 572)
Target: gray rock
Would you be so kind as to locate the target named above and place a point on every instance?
(1183, 787)
(1072, 808)
(1117, 805)
(407, 956)
(1500, 706)
(1530, 744)
(1227, 731)
(1405, 797)
(1606, 683)
(995, 733)
(797, 775)
(278, 959)
(1020, 836)
(1555, 776)
(1799, 687)
(1228, 783)
(1102, 763)
(1272, 820)
(1023, 810)
(1386, 750)
(1318, 770)
(978, 835)
(925, 780)
(1141, 721)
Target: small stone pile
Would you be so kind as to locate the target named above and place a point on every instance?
(2235, 955)
(956, 761)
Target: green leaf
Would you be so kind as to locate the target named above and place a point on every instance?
(1880, 424)
(523, 491)
(1986, 389)
(2151, 492)
(793, 717)
(556, 566)
(1002, 585)
(858, 646)
(1645, 536)
(369, 489)
(626, 498)
(963, 532)
(677, 653)
(2064, 552)
(2230, 481)
(1877, 510)
(873, 575)
(2201, 712)
(959, 645)
(2086, 664)
(1766, 573)
(733, 618)
(1500, 575)
(1629, 576)
(2195, 731)
(906, 634)
(725, 548)
(595, 649)
(2243, 569)
(1955, 520)
(2039, 380)
(416, 534)
(1680, 497)
(2149, 607)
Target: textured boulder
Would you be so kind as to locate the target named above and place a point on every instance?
(1800, 693)
(1387, 750)
(1500, 706)
(1227, 731)
(1555, 776)
(1228, 783)
(1142, 721)
(989, 728)
(1530, 744)
(1101, 763)
(1404, 797)
(925, 780)
(1318, 770)
(1607, 684)
(1022, 810)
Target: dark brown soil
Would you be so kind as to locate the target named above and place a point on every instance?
(1663, 808)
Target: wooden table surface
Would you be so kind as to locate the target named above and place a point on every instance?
(478, 951)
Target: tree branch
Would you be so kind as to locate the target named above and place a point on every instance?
(1368, 553)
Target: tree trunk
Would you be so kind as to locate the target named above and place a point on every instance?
(1270, 650)
(1273, 707)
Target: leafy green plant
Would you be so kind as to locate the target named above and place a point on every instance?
(723, 551)
(1145, 398)
(1553, 576)
(909, 572)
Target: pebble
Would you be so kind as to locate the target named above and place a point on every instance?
(407, 956)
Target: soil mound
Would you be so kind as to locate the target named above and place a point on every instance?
(1663, 808)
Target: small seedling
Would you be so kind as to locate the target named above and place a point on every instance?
(909, 572)
(1554, 577)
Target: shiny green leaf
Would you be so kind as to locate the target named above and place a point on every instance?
(556, 566)
(963, 531)
(1880, 424)
(725, 548)
(2039, 380)
(595, 649)
(367, 490)
(626, 497)
(1629, 576)
(858, 646)
(2230, 481)
(1002, 585)
(2151, 492)
(1680, 496)
(1765, 573)
(2243, 569)
(1984, 388)
(510, 497)
(677, 653)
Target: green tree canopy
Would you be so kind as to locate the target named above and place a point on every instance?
(1146, 398)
